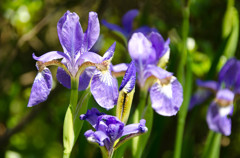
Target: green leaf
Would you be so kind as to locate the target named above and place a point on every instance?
(231, 29)
(139, 143)
(72, 124)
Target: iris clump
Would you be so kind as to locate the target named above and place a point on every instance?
(225, 91)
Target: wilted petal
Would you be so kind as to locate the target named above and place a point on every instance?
(104, 89)
(218, 118)
(91, 116)
(199, 97)
(96, 137)
(63, 78)
(167, 99)
(129, 79)
(50, 56)
(41, 87)
(70, 33)
(135, 128)
(92, 33)
(161, 47)
(141, 49)
(115, 28)
(128, 18)
(211, 85)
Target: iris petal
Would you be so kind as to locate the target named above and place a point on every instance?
(135, 128)
(70, 33)
(92, 33)
(167, 99)
(104, 89)
(50, 56)
(115, 28)
(218, 118)
(141, 49)
(41, 87)
(128, 18)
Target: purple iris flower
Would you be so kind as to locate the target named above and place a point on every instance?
(225, 89)
(76, 56)
(151, 54)
(109, 128)
(127, 23)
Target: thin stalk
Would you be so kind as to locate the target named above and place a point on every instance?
(186, 82)
(215, 146)
(68, 126)
(208, 144)
(136, 117)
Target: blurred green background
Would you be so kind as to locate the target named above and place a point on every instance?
(28, 26)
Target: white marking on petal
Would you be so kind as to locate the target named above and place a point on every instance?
(167, 90)
(106, 78)
(224, 111)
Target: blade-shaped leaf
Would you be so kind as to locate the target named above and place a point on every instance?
(72, 124)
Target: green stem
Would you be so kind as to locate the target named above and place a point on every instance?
(186, 83)
(144, 111)
(208, 144)
(68, 126)
(212, 147)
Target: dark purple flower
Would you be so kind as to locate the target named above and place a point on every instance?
(151, 54)
(221, 109)
(109, 128)
(76, 46)
(127, 23)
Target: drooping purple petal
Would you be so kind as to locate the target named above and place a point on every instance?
(135, 128)
(96, 137)
(199, 97)
(128, 18)
(129, 79)
(218, 118)
(104, 89)
(50, 56)
(63, 78)
(70, 33)
(115, 28)
(211, 85)
(41, 87)
(91, 116)
(141, 49)
(161, 47)
(109, 53)
(167, 99)
(92, 33)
